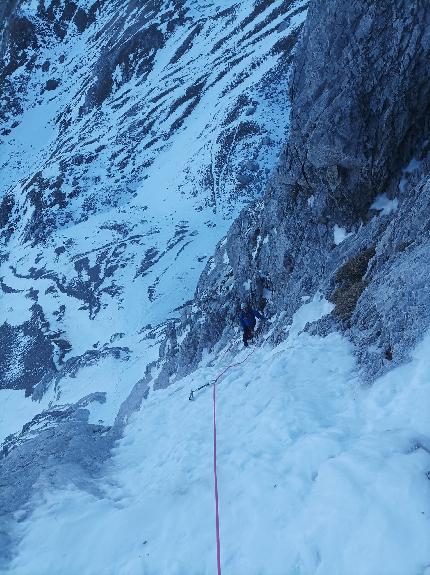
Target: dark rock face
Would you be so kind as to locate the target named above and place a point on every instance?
(350, 283)
(52, 84)
(6, 207)
(361, 101)
(134, 55)
(24, 368)
(393, 311)
(21, 35)
(360, 108)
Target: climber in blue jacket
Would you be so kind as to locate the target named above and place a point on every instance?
(248, 319)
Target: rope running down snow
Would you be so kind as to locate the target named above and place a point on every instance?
(214, 382)
(218, 543)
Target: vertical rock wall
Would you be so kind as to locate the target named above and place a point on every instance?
(360, 109)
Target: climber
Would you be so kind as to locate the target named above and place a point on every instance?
(247, 320)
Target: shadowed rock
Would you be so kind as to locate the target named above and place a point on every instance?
(360, 108)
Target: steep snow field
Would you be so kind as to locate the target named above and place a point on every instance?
(120, 200)
(318, 474)
(130, 139)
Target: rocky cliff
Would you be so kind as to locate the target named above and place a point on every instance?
(346, 212)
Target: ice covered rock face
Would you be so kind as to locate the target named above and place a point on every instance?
(132, 134)
(360, 106)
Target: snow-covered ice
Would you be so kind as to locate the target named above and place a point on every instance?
(317, 473)
(384, 205)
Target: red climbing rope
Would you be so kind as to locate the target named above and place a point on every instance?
(218, 377)
(218, 541)
(218, 544)
(213, 383)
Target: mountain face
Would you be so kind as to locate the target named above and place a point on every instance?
(162, 163)
(346, 211)
(132, 134)
(131, 137)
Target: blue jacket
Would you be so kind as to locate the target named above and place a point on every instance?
(248, 317)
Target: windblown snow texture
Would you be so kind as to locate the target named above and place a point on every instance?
(317, 473)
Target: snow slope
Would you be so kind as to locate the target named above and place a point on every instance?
(131, 135)
(127, 147)
(317, 474)
(120, 194)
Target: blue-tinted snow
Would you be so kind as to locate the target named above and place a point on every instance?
(317, 474)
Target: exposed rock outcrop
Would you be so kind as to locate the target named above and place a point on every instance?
(360, 109)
